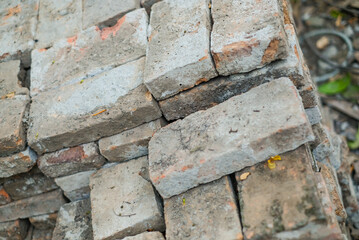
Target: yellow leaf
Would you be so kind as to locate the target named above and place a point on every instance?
(244, 176)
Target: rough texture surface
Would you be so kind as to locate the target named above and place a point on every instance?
(42, 234)
(9, 79)
(123, 202)
(4, 196)
(147, 4)
(205, 212)
(74, 221)
(71, 160)
(314, 115)
(178, 55)
(106, 13)
(147, 236)
(246, 35)
(14, 230)
(130, 144)
(40, 204)
(17, 163)
(45, 221)
(244, 130)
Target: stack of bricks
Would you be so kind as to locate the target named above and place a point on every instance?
(154, 120)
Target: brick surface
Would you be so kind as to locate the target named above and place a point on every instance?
(17, 163)
(221, 89)
(246, 35)
(74, 221)
(147, 236)
(76, 186)
(178, 55)
(45, 221)
(14, 230)
(89, 53)
(28, 184)
(147, 4)
(244, 130)
(123, 202)
(130, 144)
(314, 115)
(57, 20)
(4, 196)
(39, 234)
(269, 211)
(102, 106)
(106, 13)
(71, 160)
(205, 212)
(40, 204)
(9, 79)
(12, 129)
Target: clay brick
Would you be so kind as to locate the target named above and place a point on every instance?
(205, 212)
(244, 130)
(9, 79)
(17, 163)
(14, 230)
(178, 56)
(57, 20)
(4, 196)
(45, 221)
(102, 106)
(246, 35)
(147, 236)
(40, 204)
(12, 129)
(71, 160)
(130, 144)
(123, 202)
(97, 12)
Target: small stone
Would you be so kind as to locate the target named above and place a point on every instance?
(147, 236)
(4, 196)
(17, 163)
(37, 205)
(45, 221)
(129, 144)
(322, 42)
(74, 221)
(330, 52)
(210, 212)
(123, 202)
(16, 230)
(314, 115)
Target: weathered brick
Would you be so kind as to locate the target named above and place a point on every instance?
(123, 202)
(4, 196)
(28, 184)
(178, 55)
(74, 221)
(220, 89)
(314, 115)
(45, 221)
(37, 205)
(282, 203)
(76, 186)
(147, 236)
(12, 129)
(246, 35)
(104, 105)
(17, 163)
(14, 230)
(9, 79)
(129, 144)
(98, 13)
(240, 132)
(205, 212)
(89, 53)
(147, 4)
(57, 20)
(71, 160)
(39, 234)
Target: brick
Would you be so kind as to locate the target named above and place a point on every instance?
(4, 196)
(12, 129)
(147, 236)
(147, 4)
(75, 114)
(29, 184)
(129, 144)
(205, 212)
(97, 12)
(17, 30)
(14, 230)
(45, 221)
(17, 163)
(71, 160)
(220, 89)
(76, 186)
(37, 205)
(246, 35)
(123, 202)
(329, 151)
(178, 55)
(39, 234)
(269, 211)
(314, 115)
(74, 221)
(57, 20)
(9, 79)
(89, 53)
(244, 130)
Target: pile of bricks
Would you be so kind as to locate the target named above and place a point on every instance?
(154, 120)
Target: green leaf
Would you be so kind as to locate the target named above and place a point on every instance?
(355, 144)
(336, 86)
(336, 13)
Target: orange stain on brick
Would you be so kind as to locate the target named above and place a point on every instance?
(205, 57)
(202, 161)
(12, 11)
(113, 147)
(42, 50)
(185, 168)
(72, 40)
(271, 51)
(232, 204)
(148, 96)
(4, 194)
(106, 32)
(201, 80)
